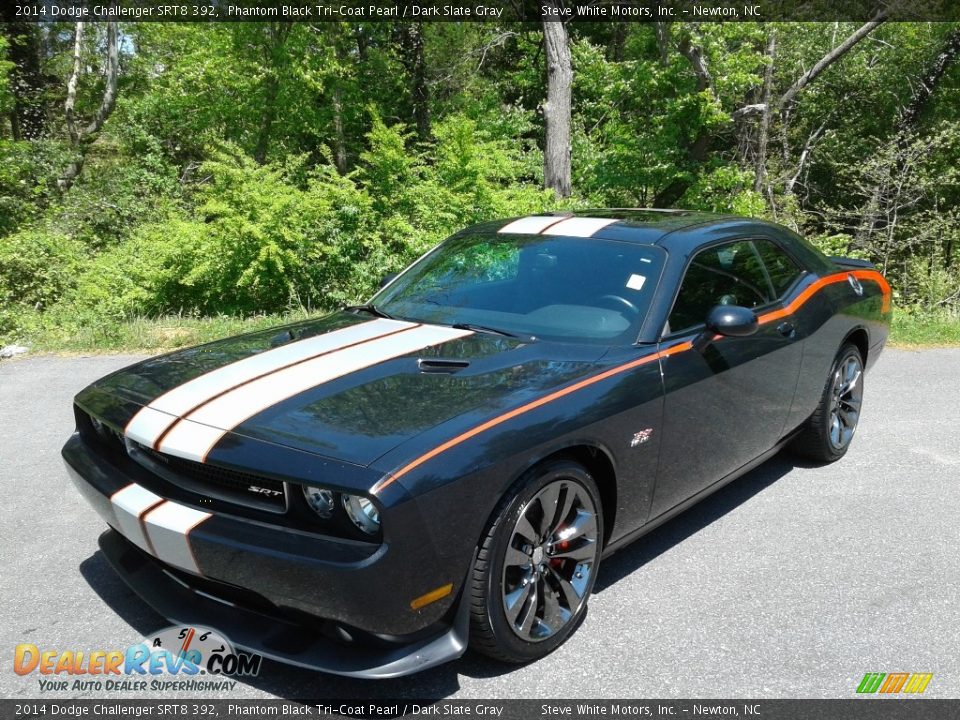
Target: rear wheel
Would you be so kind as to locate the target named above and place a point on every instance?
(537, 564)
(829, 431)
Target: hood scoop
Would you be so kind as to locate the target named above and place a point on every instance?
(442, 366)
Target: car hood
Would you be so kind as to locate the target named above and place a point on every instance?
(347, 386)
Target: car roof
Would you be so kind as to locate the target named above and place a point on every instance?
(675, 230)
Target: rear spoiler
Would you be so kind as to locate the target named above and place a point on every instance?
(846, 262)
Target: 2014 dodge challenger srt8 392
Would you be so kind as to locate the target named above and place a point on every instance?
(366, 492)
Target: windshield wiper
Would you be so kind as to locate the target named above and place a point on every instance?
(493, 331)
(371, 309)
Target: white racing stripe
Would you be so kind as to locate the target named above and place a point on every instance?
(579, 226)
(169, 526)
(191, 440)
(530, 225)
(148, 425)
(157, 526)
(195, 435)
(129, 504)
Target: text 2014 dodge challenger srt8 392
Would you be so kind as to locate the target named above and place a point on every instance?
(368, 492)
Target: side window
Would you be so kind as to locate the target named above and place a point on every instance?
(781, 267)
(730, 274)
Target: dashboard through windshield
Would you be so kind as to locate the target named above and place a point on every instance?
(565, 289)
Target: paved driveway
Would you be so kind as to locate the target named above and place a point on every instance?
(792, 582)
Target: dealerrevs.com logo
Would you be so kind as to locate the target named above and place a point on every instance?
(893, 683)
(172, 659)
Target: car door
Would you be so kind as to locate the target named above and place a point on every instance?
(725, 400)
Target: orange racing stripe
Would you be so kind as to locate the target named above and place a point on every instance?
(525, 408)
(814, 287)
(795, 305)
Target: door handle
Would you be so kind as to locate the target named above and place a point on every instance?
(787, 329)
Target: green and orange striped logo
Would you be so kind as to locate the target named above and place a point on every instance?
(889, 683)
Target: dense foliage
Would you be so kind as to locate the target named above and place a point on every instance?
(262, 168)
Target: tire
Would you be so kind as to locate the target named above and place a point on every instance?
(827, 434)
(540, 573)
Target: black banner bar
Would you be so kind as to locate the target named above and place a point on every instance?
(480, 10)
(865, 708)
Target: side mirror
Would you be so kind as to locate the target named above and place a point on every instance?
(387, 279)
(732, 321)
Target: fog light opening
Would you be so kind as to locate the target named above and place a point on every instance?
(362, 513)
(320, 500)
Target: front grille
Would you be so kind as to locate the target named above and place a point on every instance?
(97, 431)
(231, 485)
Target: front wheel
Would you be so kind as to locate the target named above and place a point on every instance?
(537, 564)
(827, 434)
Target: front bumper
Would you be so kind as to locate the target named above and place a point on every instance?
(177, 600)
(346, 604)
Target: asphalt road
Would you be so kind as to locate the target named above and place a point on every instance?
(792, 582)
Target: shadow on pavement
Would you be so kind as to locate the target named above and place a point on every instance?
(290, 682)
(694, 519)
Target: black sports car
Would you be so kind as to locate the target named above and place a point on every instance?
(364, 492)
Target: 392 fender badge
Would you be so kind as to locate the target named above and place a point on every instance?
(641, 437)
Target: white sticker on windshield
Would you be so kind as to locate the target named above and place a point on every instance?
(636, 282)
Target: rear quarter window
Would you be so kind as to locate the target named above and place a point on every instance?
(781, 267)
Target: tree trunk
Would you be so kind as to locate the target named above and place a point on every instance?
(110, 88)
(663, 42)
(618, 41)
(69, 106)
(700, 146)
(339, 140)
(28, 116)
(419, 90)
(557, 108)
(270, 92)
(276, 39)
(763, 135)
(80, 139)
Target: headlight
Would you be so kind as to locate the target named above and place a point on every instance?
(320, 500)
(362, 513)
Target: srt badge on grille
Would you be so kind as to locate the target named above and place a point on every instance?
(263, 491)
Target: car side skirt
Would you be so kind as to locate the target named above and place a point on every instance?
(668, 515)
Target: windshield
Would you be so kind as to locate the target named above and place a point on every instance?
(552, 288)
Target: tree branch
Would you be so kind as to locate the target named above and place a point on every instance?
(694, 54)
(831, 57)
(945, 59)
(804, 155)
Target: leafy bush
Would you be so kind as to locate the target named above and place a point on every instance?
(253, 243)
(267, 238)
(28, 179)
(37, 267)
